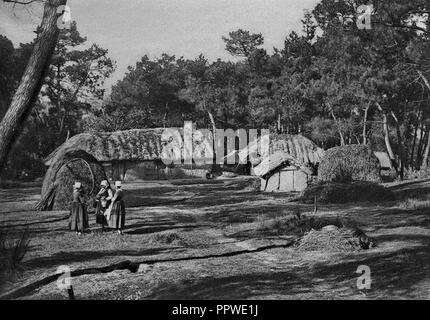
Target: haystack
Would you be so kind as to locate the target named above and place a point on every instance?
(349, 163)
(334, 239)
(69, 167)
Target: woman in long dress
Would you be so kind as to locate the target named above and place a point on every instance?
(78, 220)
(103, 200)
(116, 211)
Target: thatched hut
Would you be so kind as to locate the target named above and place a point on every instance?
(349, 163)
(130, 154)
(281, 172)
(302, 149)
(71, 166)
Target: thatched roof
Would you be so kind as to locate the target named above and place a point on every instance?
(277, 160)
(136, 144)
(297, 146)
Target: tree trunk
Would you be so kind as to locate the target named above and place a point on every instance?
(339, 130)
(386, 133)
(32, 79)
(400, 143)
(423, 135)
(279, 123)
(366, 110)
(414, 143)
(424, 164)
(211, 118)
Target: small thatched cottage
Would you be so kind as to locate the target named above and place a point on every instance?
(285, 163)
(302, 149)
(129, 155)
(281, 172)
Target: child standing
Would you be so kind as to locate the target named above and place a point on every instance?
(103, 200)
(78, 220)
(116, 214)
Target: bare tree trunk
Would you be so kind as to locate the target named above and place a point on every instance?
(424, 163)
(421, 143)
(414, 143)
(32, 79)
(211, 118)
(366, 110)
(386, 133)
(342, 139)
(279, 123)
(400, 143)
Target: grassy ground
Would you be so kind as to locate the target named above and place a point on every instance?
(223, 243)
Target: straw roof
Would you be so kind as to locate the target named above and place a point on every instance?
(136, 144)
(299, 147)
(277, 160)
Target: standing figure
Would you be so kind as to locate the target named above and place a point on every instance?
(103, 200)
(78, 220)
(116, 211)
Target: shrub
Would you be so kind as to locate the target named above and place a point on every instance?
(411, 174)
(349, 163)
(334, 192)
(12, 252)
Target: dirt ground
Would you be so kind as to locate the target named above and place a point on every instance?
(182, 242)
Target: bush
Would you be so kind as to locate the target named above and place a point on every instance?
(349, 163)
(12, 252)
(411, 174)
(334, 192)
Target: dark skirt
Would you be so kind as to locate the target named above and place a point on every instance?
(78, 220)
(100, 217)
(117, 216)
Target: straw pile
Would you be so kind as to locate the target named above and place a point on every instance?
(57, 186)
(334, 239)
(349, 163)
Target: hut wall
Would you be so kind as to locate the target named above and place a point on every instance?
(300, 180)
(271, 183)
(285, 180)
(150, 170)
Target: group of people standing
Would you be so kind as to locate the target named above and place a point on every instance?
(109, 204)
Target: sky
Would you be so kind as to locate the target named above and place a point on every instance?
(130, 29)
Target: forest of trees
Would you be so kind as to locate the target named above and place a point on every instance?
(331, 82)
